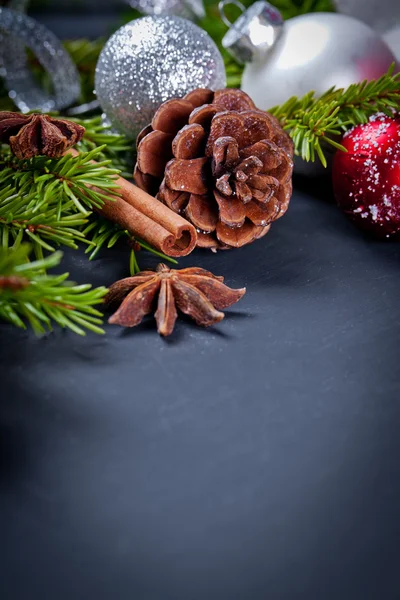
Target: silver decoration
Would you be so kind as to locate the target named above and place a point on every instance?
(22, 85)
(149, 61)
(254, 33)
(10, 44)
(381, 15)
(315, 52)
(183, 8)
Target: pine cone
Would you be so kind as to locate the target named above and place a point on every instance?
(231, 168)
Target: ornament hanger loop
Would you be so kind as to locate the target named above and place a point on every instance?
(254, 33)
(221, 8)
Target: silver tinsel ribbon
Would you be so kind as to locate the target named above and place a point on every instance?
(17, 31)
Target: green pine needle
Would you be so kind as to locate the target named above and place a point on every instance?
(29, 296)
(60, 180)
(47, 201)
(116, 148)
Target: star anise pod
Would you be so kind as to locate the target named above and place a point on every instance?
(194, 291)
(38, 135)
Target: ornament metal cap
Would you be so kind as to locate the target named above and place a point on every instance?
(254, 33)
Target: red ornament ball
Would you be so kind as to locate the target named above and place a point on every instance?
(366, 178)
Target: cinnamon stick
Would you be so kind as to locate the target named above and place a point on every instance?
(146, 218)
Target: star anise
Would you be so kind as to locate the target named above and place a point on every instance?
(194, 291)
(37, 135)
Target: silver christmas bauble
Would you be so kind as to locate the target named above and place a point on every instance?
(149, 61)
(316, 52)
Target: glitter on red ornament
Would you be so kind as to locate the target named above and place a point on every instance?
(366, 178)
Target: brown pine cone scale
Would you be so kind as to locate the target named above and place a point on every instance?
(219, 161)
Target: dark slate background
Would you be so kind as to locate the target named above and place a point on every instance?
(257, 460)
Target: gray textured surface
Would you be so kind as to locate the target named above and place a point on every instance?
(257, 460)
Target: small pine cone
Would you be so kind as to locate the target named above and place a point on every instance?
(221, 162)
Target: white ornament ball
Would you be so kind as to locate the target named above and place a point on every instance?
(149, 61)
(315, 52)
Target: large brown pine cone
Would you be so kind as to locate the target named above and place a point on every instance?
(231, 168)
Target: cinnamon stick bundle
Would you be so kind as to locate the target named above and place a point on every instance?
(146, 218)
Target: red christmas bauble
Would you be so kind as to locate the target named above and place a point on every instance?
(366, 178)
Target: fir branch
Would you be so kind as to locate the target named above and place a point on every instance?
(102, 234)
(29, 296)
(117, 148)
(24, 216)
(46, 201)
(61, 180)
(314, 123)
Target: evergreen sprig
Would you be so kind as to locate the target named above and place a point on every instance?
(47, 201)
(116, 148)
(62, 179)
(30, 296)
(314, 123)
(23, 216)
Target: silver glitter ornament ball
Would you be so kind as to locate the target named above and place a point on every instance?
(149, 61)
